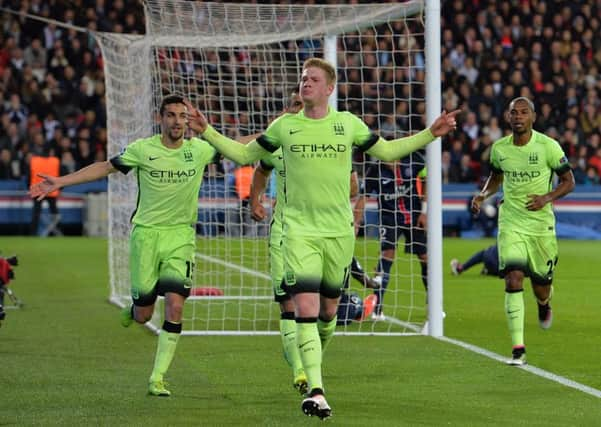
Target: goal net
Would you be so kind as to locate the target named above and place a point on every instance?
(239, 63)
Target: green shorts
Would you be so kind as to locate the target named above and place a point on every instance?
(160, 261)
(276, 261)
(317, 264)
(536, 256)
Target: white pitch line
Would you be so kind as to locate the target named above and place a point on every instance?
(234, 266)
(478, 350)
(532, 369)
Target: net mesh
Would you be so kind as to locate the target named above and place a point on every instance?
(239, 63)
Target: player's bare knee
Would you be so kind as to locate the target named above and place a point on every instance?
(287, 306)
(514, 281)
(174, 311)
(142, 316)
(328, 308)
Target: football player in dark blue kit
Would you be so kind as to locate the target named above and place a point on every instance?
(489, 257)
(400, 191)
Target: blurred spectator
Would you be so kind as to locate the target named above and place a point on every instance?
(17, 112)
(595, 161)
(35, 57)
(49, 165)
(592, 177)
(68, 164)
(466, 172)
(491, 53)
(8, 168)
(84, 155)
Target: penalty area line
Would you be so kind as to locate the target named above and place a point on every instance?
(529, 368)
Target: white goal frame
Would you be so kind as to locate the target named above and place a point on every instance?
(131, 102)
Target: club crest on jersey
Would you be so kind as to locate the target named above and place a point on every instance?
(533, 158)
(188, 156)
(338, 129)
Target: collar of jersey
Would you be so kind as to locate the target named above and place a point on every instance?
(532, 138)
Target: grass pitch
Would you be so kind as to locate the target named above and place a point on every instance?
(66, 361)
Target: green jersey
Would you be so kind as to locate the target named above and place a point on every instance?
(527, 169)
(317, 157)
(168, 179)
(275, 161)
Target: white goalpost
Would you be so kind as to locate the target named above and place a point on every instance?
(239, 63)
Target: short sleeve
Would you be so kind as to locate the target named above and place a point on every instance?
(208, 153)
(494, 162)
(556, 158)
(270, 140)
(363, 138)
(128, 159)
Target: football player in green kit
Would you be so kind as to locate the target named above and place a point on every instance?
(169, 172)
(318, 230)
(523, 163)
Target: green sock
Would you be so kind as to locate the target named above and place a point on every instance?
(168, 338)
(291, 354)
(326, 332)
(514, 310)
(309, 346)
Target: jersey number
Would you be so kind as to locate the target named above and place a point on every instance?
(189, 269)
(551, 263)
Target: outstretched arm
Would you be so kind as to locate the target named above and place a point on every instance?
(243, 154)
(398, 148)
(257, 188)
(89, 173)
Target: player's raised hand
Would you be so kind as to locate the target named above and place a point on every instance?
(196, 120)
(41, 189)
(445, 123)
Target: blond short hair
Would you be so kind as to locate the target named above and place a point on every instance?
(324, 65)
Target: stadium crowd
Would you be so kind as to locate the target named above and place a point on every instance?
(53, 95)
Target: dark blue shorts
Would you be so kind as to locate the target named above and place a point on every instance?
(391, 230)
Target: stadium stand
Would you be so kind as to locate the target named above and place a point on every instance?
(52, 81)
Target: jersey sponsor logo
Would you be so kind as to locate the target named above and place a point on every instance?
(521, 176)
(386, 181)
(402, 191)
(338, 129)
(293, 131)
(317, 151)
(151, 158)
(173, 176)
